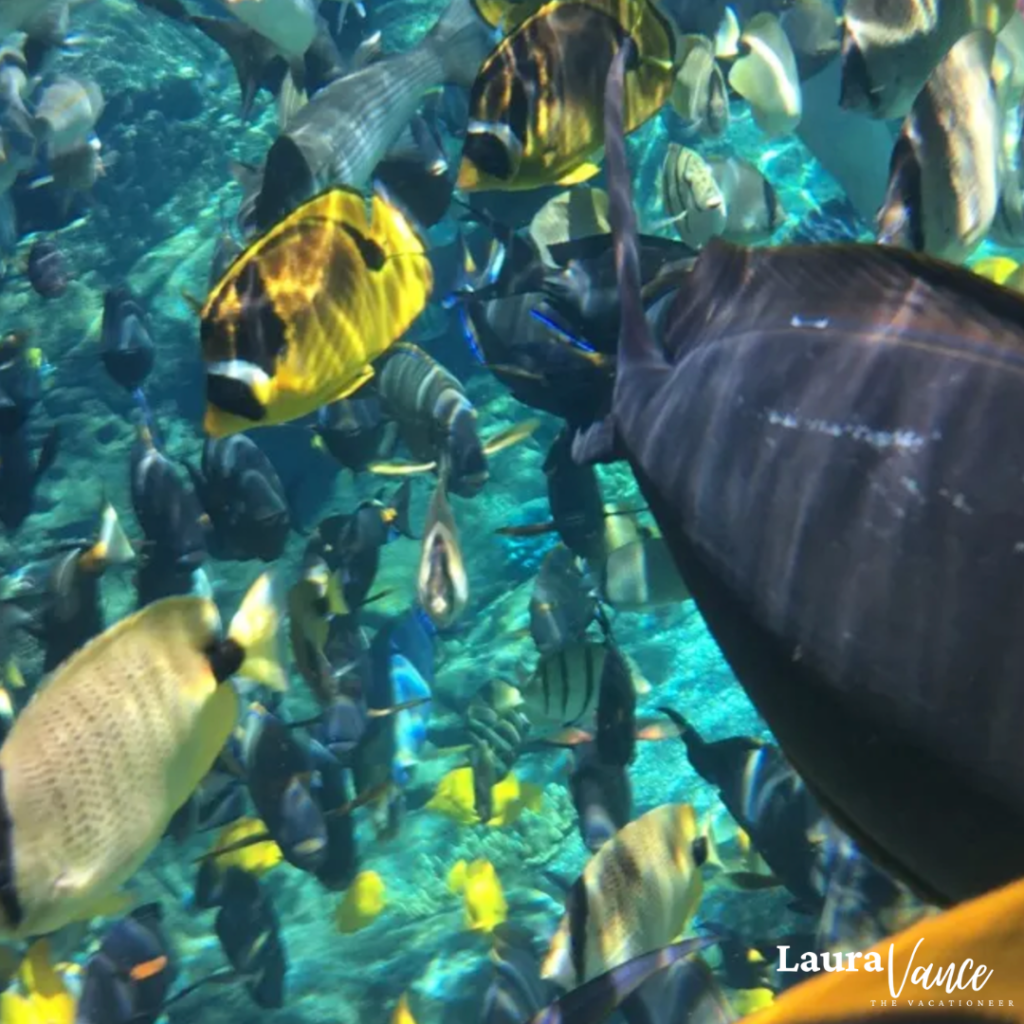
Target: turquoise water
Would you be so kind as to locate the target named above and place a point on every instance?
(169, 132)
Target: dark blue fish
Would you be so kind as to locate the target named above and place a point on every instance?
(853, 559)
(127, 980)
(46, 270)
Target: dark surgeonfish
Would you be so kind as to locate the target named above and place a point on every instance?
(172, 522)
(250, 935)
(127, 349)
(350, 543)
(355, 431)
(127, 979)
(70, 609)
(768, 800)
(244, 498)
(854, 559)
(601, 794)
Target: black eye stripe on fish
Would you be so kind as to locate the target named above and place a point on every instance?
(372, 254)
(577, 909)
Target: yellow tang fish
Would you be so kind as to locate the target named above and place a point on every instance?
(113, 745)
(482, 893)
(537, 105)
(509, 798)
(297, 320)
(255, 859)
(362, 903)
(44, 997)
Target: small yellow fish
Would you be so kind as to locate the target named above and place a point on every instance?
(509, 798)
(482, 893)
(362, 903)
(257, 859)
(44, 998)
(746, 1001)
(995, 268)
(402, 1014)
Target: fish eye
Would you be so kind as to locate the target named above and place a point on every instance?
(372, 254)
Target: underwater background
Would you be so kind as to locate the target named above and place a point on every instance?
(152, 221)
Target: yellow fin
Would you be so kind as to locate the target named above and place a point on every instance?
(255, 628)
(13, 676)
(112, 546)
(581, 174)
(510, 436)
(986, 930)
(401, 468)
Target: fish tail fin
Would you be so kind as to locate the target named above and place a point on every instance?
(112, 546)
(503, 695)
(256, 630)
(247, 50)
(461, 39)
(400, 507)
(695, 743)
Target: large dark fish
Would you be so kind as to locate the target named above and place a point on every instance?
(854, 559)
(244, 498)
(601, 794)
(574, 495)
(347, 128)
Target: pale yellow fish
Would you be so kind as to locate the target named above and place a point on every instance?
(116, 741)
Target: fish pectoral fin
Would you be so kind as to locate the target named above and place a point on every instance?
(580, 174)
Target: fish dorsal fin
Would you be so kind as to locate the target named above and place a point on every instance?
(637, 349)
(877, 291)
